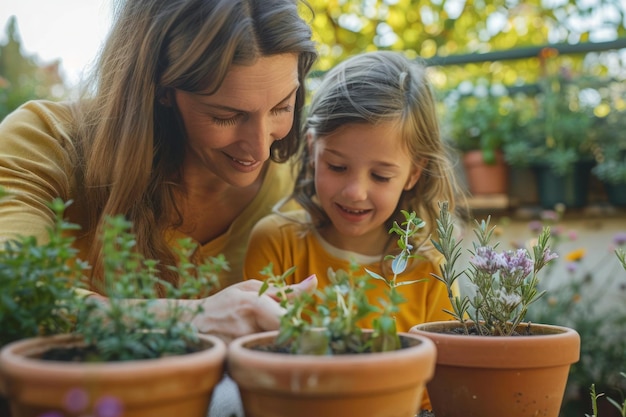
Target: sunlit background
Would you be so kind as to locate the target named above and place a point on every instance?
(69, 30)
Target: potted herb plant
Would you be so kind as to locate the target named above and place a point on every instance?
(555, 142)
(320, 363)
(489, 361)
(123, 356)
(28, 308)
(479, 123)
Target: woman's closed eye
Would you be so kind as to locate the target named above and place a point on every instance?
(226, 121)
(284, 109)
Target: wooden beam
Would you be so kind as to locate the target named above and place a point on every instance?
(526, 52)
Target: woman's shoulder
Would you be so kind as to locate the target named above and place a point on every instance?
(41, 117)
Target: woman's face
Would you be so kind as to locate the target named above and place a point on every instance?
(361, 171)
(230, 132)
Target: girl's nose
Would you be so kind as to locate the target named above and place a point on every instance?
(355, 189)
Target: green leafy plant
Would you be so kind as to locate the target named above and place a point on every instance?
(504, 283)
(122, 329)
(481, 121)
(611, 162)
(325, 323)
(557, 133)
(594, 401)
(37, 281)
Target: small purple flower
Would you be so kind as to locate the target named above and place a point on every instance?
(548, 256)
(517, 265)
(487, 260)
(109, 406)
(535, 226)
(76, 400)
(571, 267)
(550, 215)
(619, 238)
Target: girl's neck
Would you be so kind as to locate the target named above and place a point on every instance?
(369, 244)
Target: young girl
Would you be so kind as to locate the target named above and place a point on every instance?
(374, 149)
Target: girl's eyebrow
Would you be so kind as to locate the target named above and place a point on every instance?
(381, 163)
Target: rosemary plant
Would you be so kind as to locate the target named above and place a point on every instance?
(504, 283)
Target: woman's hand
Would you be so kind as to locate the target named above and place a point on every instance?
(238, 310)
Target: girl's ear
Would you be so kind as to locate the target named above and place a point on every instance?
(165, 97)
(310, 143)
(415, 175)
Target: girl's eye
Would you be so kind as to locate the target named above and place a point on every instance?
(380, 178)
(336, 168)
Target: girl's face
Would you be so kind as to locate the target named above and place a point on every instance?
(360, 172)
(230, 132)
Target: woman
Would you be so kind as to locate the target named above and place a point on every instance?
(190, 112)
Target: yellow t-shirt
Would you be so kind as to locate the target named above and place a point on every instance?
(38, 162)
(288, 241)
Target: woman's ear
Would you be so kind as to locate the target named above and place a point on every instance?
(415, 175)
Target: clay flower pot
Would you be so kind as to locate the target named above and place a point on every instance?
(495, 376)
(483, 178)
(174, 386)
(364, 385)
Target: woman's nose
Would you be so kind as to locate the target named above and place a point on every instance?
(258, 139)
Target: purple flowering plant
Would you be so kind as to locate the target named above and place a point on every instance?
(505, 283)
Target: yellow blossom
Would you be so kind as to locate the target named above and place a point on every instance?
(575, 255)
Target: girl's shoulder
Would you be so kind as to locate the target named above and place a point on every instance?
(295, 221)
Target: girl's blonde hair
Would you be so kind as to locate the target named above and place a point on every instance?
(130, 146)
(376, 87)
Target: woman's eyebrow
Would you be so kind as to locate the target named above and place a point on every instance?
(233, 109)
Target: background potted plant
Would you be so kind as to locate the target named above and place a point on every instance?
(490, 362)
(479, 120)
(320, 363)
(556, 142)
(124, 357)
(610, 153)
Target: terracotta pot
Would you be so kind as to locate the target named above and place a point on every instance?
(173, 386)
(484, 179)
(495, 376)
(364, 385)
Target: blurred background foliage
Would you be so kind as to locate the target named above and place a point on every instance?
(432, 30)
(24, 77)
